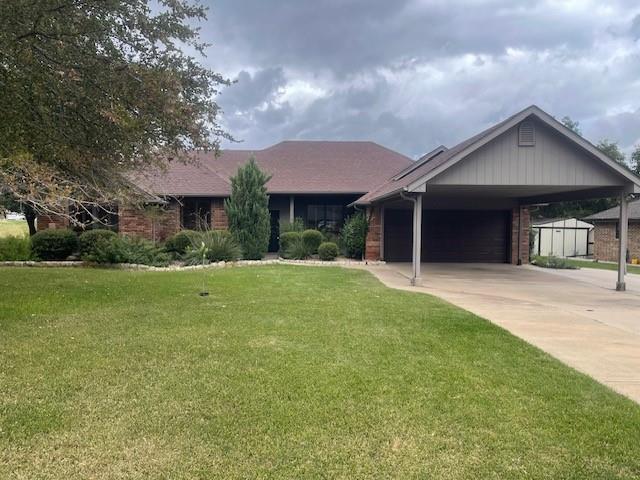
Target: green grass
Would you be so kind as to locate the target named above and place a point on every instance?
(284, 372)
(601, 265)
(12, 228)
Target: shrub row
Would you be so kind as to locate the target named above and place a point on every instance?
(300, 245)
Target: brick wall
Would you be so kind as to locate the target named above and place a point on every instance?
(523, 227)
(136, 222)
(606, 245)
(372, 245)
(44, 222)
(219, 218)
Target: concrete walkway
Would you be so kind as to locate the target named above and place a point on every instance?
(576, 316)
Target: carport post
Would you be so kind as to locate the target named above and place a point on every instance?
(292, 209)
(416, 279)
(623, 230)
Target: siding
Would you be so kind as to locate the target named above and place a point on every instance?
(553, 160)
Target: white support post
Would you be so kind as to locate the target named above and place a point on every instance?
(291, 209)
(416, 278)
(623, 233)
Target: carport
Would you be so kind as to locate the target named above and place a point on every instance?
(470, 203)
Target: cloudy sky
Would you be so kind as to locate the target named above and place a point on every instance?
(412, 74)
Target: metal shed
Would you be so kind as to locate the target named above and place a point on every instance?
(562, 237)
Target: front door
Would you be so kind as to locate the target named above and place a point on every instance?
(274, 239)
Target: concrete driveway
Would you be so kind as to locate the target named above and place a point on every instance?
(574, 315)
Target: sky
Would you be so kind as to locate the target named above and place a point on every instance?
(414, 74)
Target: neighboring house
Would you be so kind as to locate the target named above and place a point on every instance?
(607, 233)
(474, 197)
(562, 237)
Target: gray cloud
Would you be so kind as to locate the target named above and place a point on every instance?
(414, 73)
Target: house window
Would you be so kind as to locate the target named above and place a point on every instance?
(325, 217)
(196, 213)
(617, 230)
(95, 217)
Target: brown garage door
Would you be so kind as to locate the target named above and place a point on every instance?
(449, 236)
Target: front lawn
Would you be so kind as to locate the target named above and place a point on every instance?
(13, 228)
(284, 372)
(601, 265)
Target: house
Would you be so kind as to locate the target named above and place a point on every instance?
(607, 233)
(312, 180)
(467, 203)
(562, 237)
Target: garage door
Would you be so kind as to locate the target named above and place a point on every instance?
(450, 236)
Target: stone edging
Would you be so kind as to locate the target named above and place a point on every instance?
(173, 268)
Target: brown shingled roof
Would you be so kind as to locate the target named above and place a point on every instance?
(294, 166)
(614, 213)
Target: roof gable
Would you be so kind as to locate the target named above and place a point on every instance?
(552, 159)
(418, 178)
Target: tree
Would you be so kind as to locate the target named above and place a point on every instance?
(635, 160)
(95, 91)
(248, 210)
(611, 150)
(571, 125)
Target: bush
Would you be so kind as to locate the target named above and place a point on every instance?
(128, 250)
(182, 241)
(297, 249)
(296, 226)
(141, 251)
(52, 244)
(312, 240)
(218, 245)
(287, 239)
(552, 262)
(92, 241)
(15, 249)
(328, 251)
(354, 235)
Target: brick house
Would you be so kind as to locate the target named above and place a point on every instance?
(473, 197)
(607, 233)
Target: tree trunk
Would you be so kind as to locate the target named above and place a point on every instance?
(31, 221)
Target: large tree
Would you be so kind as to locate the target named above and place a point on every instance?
(94, 91)
(635, 160)
(248, 210)
(612, 150)
(571, 124)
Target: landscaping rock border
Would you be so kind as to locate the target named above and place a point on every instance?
(177, 267)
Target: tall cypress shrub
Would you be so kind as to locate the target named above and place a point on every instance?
(248, 210)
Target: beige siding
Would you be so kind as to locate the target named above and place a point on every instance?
(552, 161)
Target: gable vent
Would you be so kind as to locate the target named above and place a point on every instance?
(526, 134)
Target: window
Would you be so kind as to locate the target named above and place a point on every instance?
(325, 217)
(94, 216)
(196, 213)
(526, 134)
(617, 230)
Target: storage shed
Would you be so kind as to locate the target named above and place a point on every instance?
(562, 237)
